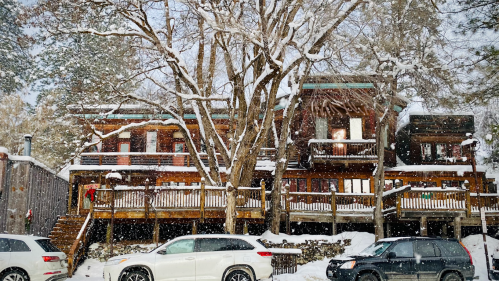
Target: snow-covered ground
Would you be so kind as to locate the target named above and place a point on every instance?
(91, 270)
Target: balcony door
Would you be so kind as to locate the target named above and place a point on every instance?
(339, 149)
(178, 147)
(124, 147)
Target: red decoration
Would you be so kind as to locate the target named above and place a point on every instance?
(90, 194)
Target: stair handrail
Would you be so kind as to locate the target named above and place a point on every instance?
(76, 252)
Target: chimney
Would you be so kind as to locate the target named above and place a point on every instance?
(27, 145)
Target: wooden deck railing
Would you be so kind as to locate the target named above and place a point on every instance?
(490, 202)
(331, 150)
(178, 198)
(79, 245)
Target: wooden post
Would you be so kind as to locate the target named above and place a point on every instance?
(444, 230)
(423, 224)
(100, 160)
(457, 228)
(333, 210)
(194, 227)
(468, 203)
(155, 235)
(188, 160)
(399, 204)
(288, 210)
(262, 183)
(111, 231)
(245, 228)
(202, 199)
(388, 229)
(146, 199)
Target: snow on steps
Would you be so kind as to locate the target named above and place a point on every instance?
(65, 231)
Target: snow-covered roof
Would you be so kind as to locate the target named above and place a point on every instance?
(456, 113)
(36, 163)
(437, 168)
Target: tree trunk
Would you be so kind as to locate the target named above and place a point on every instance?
(379, 177)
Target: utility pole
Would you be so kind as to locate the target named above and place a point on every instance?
(482, 215)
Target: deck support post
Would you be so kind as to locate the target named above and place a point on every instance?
(194, 227)
(423, 225)
(202, 200)
(457, 228)
(444, 230)
(146, 199)
(288, 209)
(245, 228)
(388, 229)
(262, 183)
(333, 210)
(155, 233)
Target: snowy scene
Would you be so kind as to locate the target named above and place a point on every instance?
(241, 140)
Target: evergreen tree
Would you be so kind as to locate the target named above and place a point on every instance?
(14, 52)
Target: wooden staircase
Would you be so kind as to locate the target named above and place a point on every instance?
(65, 232)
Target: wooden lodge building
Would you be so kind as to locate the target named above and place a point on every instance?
(428, 174)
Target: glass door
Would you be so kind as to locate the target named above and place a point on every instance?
(178, 147)
(124, 147)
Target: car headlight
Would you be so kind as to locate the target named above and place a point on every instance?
(348, 265)
(115, 262)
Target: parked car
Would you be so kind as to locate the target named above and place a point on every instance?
(494, 271)
(407, 258)
(196, 257)
(31, 258)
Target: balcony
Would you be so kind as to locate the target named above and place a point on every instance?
(158, 158)
(323, 151)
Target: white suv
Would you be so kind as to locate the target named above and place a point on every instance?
(30, 258)
(196, 257)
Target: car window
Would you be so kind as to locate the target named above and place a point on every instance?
(425, 249)
(375, 249)
(241, 245)
(47, 246)
(181, 247)
(403, 250)
(213, 244)
(452, 248)
(4, 245)
(18, 246)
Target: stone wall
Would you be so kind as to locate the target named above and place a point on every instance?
(313, 250)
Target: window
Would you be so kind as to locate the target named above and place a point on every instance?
(181, 247)
(98, 147)
(213, 245)
(426, 152)
(4, 245)
(295, 185)
(403, 250)
(441, 151)
(194, 183)
(425, 249)
(324, 185)
(376, 249)
(355, 128)
(457, 184)
(389, 185)
(453, 249)
(47, 246)
(151, 141)
(423, 184)
(241, 245)
(356, 185)
(320, 128)
(455, 151)
(18, 246)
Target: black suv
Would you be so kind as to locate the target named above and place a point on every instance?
(407, 258)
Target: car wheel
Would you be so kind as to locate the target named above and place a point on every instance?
(452, 276)
(238, 275)
(136, 276)
(14, 275)
(367, 277)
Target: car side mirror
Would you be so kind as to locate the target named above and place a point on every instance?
(161, 252)
(392, 255)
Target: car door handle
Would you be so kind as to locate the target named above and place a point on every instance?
(189, 258)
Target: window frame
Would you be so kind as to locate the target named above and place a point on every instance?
(422, 147)
(363, 186)
(438, 156)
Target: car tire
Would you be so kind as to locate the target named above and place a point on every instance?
(14, 275)
(452, 276)
(238, 275)
(367, 277)
(136, 276)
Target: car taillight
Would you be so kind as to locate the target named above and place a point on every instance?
(51, 259)
(471, 259)
(265, 254)
(50, 273)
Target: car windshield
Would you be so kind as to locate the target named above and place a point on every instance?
(375, 249)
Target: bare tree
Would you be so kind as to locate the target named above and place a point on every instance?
(229, 56)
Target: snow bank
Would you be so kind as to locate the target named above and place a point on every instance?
(4, 150)
(474, 244)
